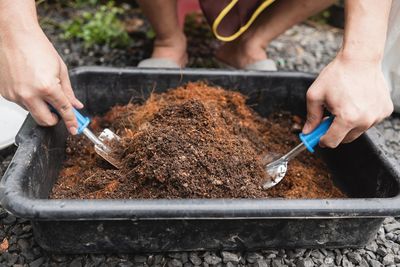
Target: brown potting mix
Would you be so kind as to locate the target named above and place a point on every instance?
(196, 141)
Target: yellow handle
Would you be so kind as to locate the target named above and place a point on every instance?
(242, 29)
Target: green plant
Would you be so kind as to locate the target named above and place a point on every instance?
(101, 27)
(322, 17)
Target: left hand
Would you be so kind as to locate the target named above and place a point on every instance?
(355, 92)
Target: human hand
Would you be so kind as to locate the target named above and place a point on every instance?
(33, 75)
(355, 92)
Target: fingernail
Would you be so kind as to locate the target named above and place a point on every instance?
(79, 104)
(306, 128)
(73, 130)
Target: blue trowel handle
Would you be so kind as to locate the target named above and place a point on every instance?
(312, 139)
(83, 121)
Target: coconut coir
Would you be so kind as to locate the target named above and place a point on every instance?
(196, 141)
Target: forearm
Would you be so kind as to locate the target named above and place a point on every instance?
(365, 29)
(17, 17)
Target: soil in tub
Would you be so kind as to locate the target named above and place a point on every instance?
(195, 141)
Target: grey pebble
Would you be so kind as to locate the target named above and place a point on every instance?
(229, 257)
(59, 258)
(175, 255)
(374, 263)
(307, 262)
(77, 262)
(338, 259)
(346, 262)
(396, 258)
(278, 263)
(23, 244)
(212, 259)
(37, 263)
(253, 257)
(194, 258)
(10, 258)
(10, 219)
(296, 253)
(175, 263)
(354, 257)
(364, 263)
(388, 259)
(329, 261)
(372, 246)
(188, 264)
(381, 251)
(261, 263)
(140, 258)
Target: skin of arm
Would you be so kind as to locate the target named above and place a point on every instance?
(32, 74)
(352, 87)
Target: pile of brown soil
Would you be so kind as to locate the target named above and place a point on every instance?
(195, 141)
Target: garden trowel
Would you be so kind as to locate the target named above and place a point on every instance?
(277, 167)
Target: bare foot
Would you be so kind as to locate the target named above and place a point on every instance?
(173, 48)
(241, 53)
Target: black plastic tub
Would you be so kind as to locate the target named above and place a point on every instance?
(361, 169)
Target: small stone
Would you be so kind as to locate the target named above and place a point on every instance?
(324, 251)
(77, 262)
(338, 259)
(390, 236)
(354, 257)
(188, 264)
(140, 258)
(363, 263)
(329, 261)
(375, 263)
(27, 228)
(253, 257)
(158, 259)
(17, 230)
(229, 257)
(296, 253)
(372, 246)
(212, 259)
(59, 258)
(388, 259)
(392, 227)
(307, 262)
(23, 244)
(261, 263)
(184, 257)
(10, 219)
(396, 258)
(28, 255)
(381, 251)
(277, 263)
(370, 254)
(317, 254)
(346, 262)
(194, 258)
(230, 264)
(97, 259)
(10, 258)
(37, 263)
(175, 263)
(175, 256)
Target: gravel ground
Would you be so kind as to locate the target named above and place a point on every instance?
(303, 48)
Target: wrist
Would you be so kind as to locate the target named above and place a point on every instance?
(359, 55)
(17, 18)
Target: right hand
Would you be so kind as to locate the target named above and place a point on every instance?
(33, 75)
